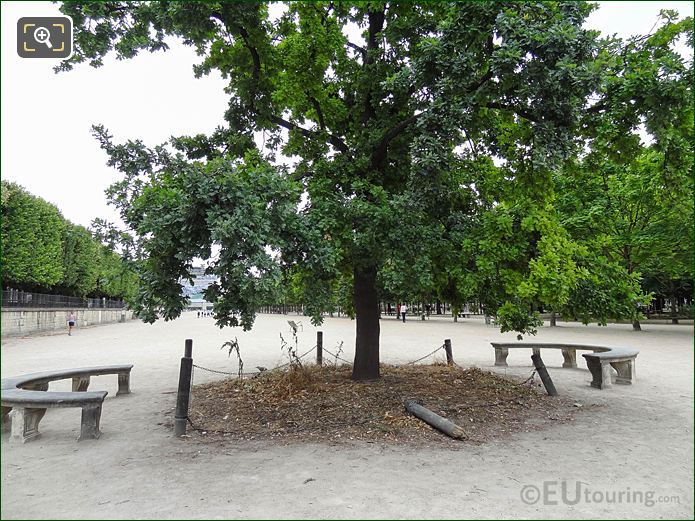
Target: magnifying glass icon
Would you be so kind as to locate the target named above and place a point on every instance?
(43, 35)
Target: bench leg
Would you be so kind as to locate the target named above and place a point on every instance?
(25, 423)
(601, 374)
(570, 356)
(123, 383)
(501, 356)
(625, 371)
(80, 384)
(91, 414)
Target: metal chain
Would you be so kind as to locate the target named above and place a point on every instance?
(290, 362)
(529, 379)
(190, 387)
(330, 353)
(472, 406)
(336, 356)
(217, 371)
(427, 355)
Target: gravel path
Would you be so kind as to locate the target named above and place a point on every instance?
(631, 455)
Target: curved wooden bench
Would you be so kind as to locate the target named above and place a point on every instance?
(599, 361)
(25, 398)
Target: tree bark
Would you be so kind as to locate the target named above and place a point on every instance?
(636, 325)
(674, 304)
(366, 365)
(553, 319)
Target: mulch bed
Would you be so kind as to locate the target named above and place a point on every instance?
(322, 404)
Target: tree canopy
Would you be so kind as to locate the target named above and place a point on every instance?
(42, 251)
(32, 234)
(425, 138)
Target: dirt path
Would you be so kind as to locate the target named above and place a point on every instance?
(638, 441)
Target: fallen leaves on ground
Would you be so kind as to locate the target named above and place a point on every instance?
(312, 403)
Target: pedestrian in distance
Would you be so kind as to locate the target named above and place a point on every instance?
(72, 320)
(398, 311)
(404, 310)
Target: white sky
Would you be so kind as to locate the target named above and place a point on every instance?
(46, 144)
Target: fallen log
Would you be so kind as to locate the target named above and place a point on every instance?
(436, 421)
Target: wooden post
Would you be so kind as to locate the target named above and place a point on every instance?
(543, 373)
(447, 348)
(442, 424)
(182, 398)
(319, 348)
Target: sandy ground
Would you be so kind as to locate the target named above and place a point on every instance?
(638, 442)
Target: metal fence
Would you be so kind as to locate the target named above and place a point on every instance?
(15, 298)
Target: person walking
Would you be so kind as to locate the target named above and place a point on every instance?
(71, 322)
(404, 310)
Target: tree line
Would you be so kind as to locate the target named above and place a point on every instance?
(46, 253)
(490, 152)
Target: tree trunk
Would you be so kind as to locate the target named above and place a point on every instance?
(366, 365)
(636, 325)
(674, 304)
(553, 319)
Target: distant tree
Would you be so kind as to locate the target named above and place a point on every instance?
(118, 258)
(627, 201)
(81, 259)
(115, 280)
(32, 234)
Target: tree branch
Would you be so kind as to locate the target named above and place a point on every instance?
(598, 107)
(319, 113)
(518, 110)
(379, 155)
(338, 143)
(333, 140)
(376, 24)
(362, 50)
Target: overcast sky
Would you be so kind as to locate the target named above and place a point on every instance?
(46, 117)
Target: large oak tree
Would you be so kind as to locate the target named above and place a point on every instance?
(394, 113)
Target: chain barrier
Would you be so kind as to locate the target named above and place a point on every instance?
(236, 373)
(336, 356)
(202, 430)
(427, 355)
(530, 378)
(216, 371)
(327, 351)
(291, 361)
